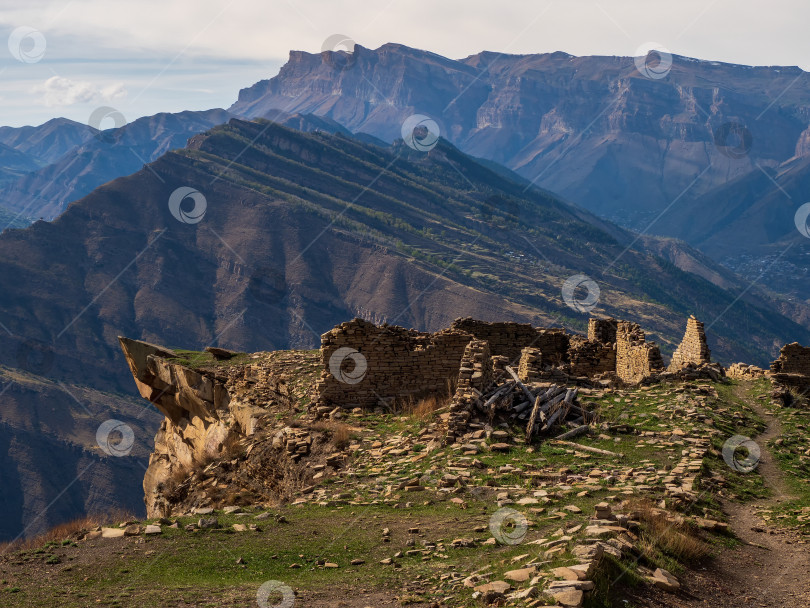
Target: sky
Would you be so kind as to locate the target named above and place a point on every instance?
(70, 57)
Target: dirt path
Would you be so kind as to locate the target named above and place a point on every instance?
(772, 568)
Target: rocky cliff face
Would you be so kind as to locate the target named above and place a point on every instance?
(712, 153)
(592, 129)
(207, 411)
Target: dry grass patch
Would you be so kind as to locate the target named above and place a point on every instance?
(667, 533)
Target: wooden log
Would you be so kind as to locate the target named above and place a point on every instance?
(580, 430)
(586, 448)
(549, 404)
(532, 420)
(522, 386)
(559, 412)
(499, 392)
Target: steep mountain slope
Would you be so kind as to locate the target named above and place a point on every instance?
(752, 228)
(651, 154)
(48, 141)
(97, 160)
(592, 129)
(302, 231)
(14, 163)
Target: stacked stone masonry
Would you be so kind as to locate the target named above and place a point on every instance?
(602, 330)
(366, 365)
(509, 339)
(693, 348)
(636, 359)
(792, 368)
(474, 377)
(591, 357)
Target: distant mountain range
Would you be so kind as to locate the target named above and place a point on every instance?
(659, 155)
(669, 155)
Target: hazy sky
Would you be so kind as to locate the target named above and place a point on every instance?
(68, 57)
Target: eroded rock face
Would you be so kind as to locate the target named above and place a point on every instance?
(201, 418)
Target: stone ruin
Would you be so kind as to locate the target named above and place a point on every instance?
(693, 348)
(365, 365)
(791, 374)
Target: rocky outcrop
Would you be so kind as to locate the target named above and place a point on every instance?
(201, 418)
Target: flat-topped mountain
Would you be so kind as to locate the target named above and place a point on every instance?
(672, 155)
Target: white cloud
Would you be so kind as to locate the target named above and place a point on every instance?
(59, 91)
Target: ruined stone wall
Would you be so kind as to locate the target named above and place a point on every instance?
(792, 368)
(693, 348)
(602, 330)
(474, 378)
(636, 359)
(590, 357)
(508, 339)
(530, 367)
(365, 365)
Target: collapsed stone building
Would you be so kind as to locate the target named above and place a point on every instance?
(366, 365)
(791, 375)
